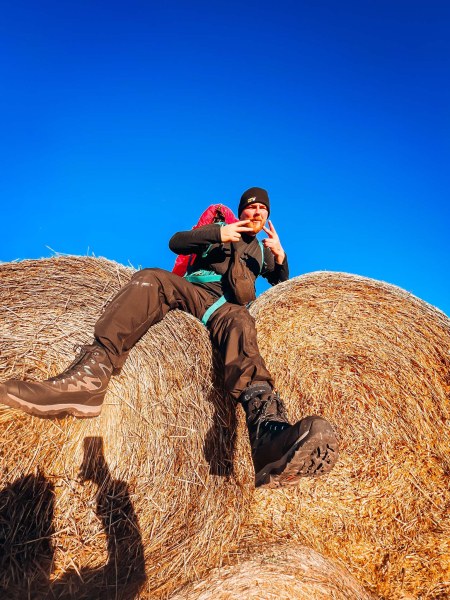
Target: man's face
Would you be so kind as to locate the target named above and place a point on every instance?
(257, 213)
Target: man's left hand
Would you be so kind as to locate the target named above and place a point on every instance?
(273, 243)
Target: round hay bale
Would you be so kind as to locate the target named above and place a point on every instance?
(152, 488)
(375, 361)
(139, 500)
(286, 571)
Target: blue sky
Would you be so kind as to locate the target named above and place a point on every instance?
(122, 121)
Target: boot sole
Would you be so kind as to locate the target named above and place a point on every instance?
(312, 455)
(53, 410)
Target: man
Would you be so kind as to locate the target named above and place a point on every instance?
(216, 289)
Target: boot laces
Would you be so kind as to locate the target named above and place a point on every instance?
(260, 411)
(72, 369)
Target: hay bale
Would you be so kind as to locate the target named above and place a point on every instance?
(91, 508)
(286, 571)
(163, 491)
(375, 360)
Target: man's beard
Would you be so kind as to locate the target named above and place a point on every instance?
(256, 225)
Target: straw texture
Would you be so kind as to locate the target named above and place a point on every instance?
(159, 489)
(143, 491)
(277, 572)
(375, 361)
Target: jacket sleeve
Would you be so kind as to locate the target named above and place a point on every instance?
(195, 241)
(272, 271)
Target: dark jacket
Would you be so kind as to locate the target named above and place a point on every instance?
(197, 241)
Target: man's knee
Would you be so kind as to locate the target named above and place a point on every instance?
(238, 316)
(150, 276)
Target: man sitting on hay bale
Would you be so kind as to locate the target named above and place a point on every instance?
(225, 259)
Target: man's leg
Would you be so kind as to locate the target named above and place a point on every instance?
(143, 302)
(233, 332)
(281, 452)
(81, 388)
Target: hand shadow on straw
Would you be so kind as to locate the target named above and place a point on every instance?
(123, 575)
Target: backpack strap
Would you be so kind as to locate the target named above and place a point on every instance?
(212, 309)
(203, 276)
(263, 262)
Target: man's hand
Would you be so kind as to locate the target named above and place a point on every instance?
(232, 232)
(273, 243)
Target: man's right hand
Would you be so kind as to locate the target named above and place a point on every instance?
(232, 232)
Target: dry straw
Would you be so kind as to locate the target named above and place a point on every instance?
(375, 360)
(277, 572)
(158, 489)
(85, 503)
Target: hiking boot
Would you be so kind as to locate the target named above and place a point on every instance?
(78, 391)
(283, 453)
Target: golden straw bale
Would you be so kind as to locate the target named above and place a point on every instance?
(375, 361)
(286, 571)
(91, 508)
(155, 488)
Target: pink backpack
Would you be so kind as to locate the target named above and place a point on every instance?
(216, 213)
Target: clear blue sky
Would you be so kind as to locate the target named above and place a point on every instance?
(122, 121)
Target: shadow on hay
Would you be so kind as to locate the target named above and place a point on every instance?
(26, 529)
(27, 551)
(220, 440)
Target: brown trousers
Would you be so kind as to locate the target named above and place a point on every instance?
(149, 296)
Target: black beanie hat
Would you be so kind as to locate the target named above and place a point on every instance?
(254, 194)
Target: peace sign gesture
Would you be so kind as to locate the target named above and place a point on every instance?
(273, 243)
(232, 231)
